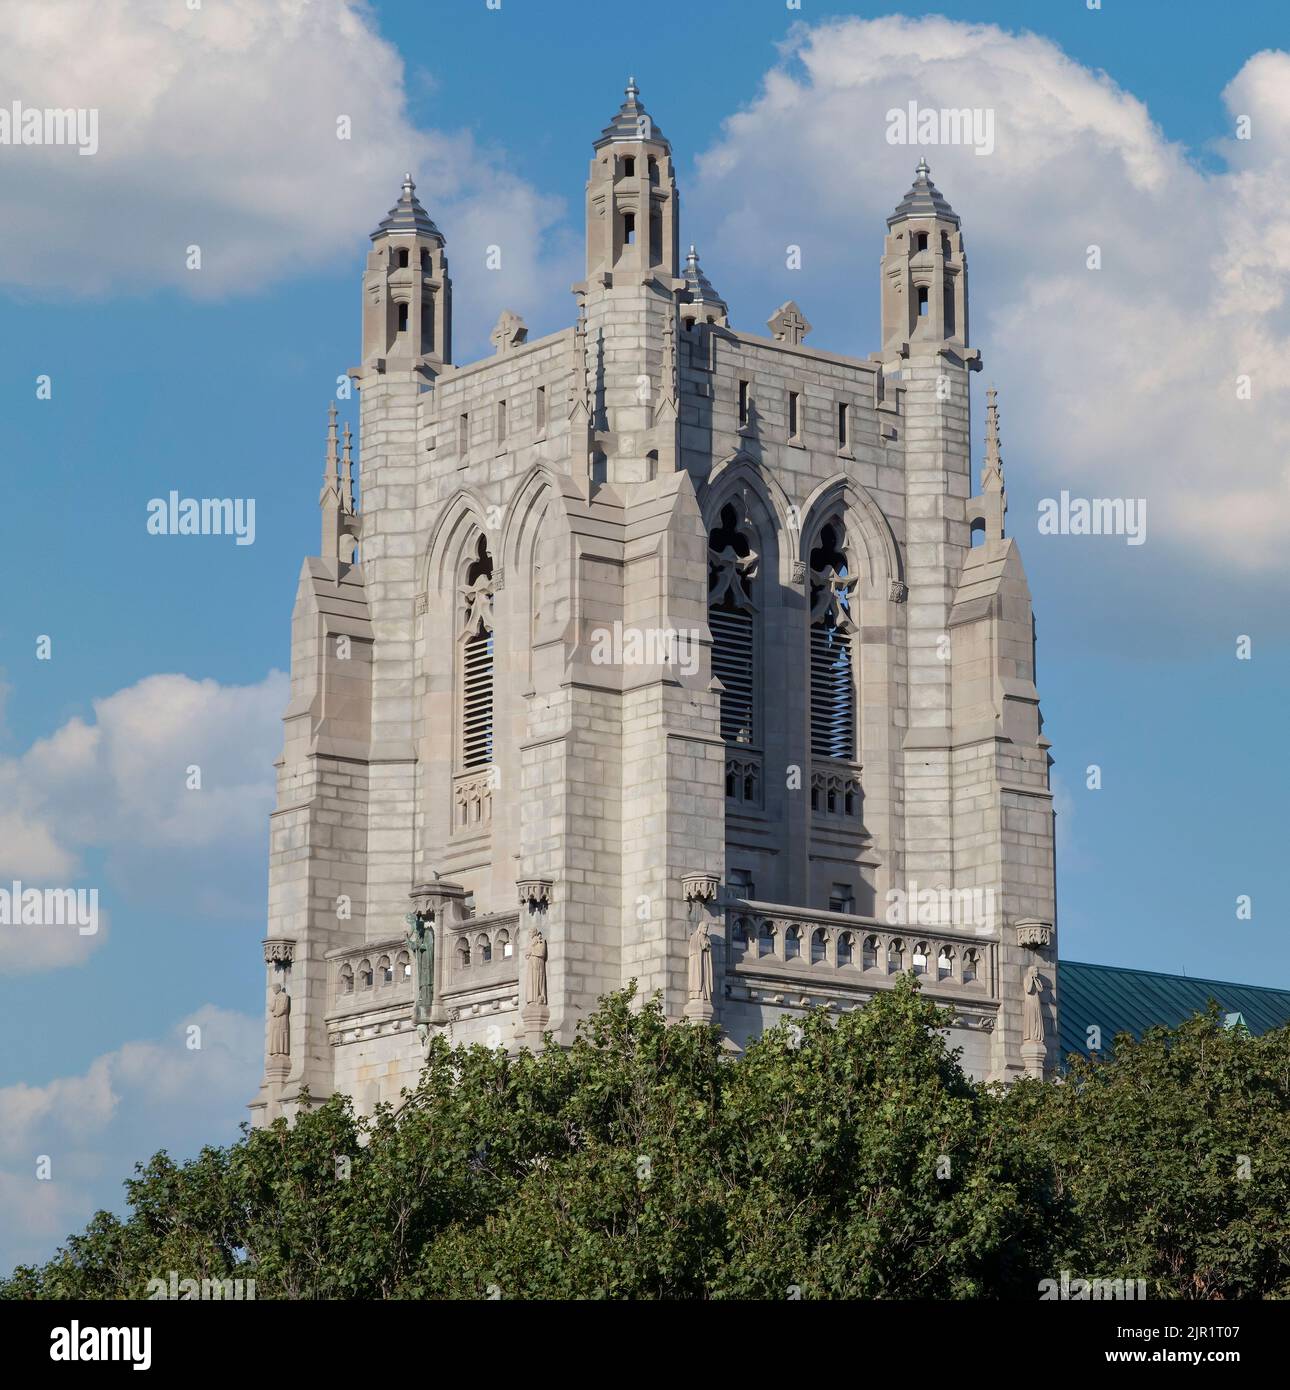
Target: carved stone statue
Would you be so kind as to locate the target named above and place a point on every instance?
(535, 969)
(1032, 1013)
(280, 1023)
(700, 969)
(420, 942)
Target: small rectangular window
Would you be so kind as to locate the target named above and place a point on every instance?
(403, 318)
(540, 410)
(501, 422)
(629, 229)
(463, 432)
(842, 424)
(741, 884)
(922, 301)
(743, 404)
(841, 898)
(794, 425)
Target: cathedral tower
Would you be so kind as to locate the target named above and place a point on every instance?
(660, 651)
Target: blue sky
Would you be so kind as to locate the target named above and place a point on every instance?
(1114, 129)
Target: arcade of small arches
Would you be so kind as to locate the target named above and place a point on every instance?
(754, 938)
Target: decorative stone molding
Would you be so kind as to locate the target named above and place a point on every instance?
(835, 792)
(743, 780)
(534, 893)
(421, 604)
(1034, 933)
(701, 888)
(799, 571)
(279, 950)
(499, 579)
(899, 591)
(472, 797)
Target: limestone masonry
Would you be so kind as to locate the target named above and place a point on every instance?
(658, 651)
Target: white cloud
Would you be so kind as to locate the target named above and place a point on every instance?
(127, 1104)
(1119, 382)
(114, 791)
(217, 127)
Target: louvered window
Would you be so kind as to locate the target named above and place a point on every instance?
(832, 695)
(833, 713)
(732, 664)
(477, 701)
(477, 649)
(732, 620)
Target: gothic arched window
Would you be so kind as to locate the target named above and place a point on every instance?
(833, 705)
(732, 567)
(476, 639)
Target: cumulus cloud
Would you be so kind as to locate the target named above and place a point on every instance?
(1119, 382)
(128, 1103)
(115, 790)
(217, 128)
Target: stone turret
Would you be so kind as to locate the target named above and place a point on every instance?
(924, 270)
(407, 295)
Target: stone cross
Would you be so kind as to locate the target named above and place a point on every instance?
(788, 324)
(509, 333)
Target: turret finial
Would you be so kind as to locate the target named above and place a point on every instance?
(922, 171)
(993, 492)
(632, 90)
(347, 472)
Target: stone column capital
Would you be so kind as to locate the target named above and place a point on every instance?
(700, 887)
(534, 893)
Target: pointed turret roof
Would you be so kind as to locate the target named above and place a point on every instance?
(924, 199)
(632, 121)
(698, 288)
(407, 215)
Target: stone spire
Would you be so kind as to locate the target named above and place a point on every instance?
(994, 496)
(710, 306)
(347, 473)
(632, 122)
(924, 199)
(407, 215)
(668, 402)
(340, 523)
(329, 499)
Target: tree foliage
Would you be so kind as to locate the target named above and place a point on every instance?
(843, 1157)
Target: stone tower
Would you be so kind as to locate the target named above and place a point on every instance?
(658, 651)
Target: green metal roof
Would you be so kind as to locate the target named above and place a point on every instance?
(1130, 1001)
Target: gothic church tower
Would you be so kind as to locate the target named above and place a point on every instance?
(662, 651)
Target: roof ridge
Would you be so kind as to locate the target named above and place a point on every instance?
(1166, 975)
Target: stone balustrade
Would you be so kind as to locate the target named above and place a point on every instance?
(798, 943)
(482, 952)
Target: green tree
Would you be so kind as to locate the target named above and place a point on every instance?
(841, 1157)
(1174, 1157)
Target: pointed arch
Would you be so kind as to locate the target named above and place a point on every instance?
(461, 515)
(742, 476)
(869, 533)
